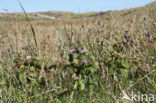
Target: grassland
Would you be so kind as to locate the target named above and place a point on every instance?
(78, 58)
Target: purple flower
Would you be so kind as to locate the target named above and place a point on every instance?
(83, 51)
(84, 61)
(73, 50)
(76, 78)
(147, 34)
(69, 74)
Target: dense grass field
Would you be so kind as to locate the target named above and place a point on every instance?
(79, 58)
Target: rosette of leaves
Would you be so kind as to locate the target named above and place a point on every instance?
(119, 66)
(29, 70)
(81, 63)
(83, 68)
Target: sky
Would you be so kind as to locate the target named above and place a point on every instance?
(78, 6)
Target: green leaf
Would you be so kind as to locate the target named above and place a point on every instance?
(113, 65)
(37, 58)
(32, 80)
(115, 77)
(76, 84)
(82, 85)
(75, 56)
(91, 69)
(125, 64)
(35, 92)
(110, 48)
(124, 73)
(96, 64)
(59, 100)
(22, 77)
(32, 68)
(22, 66)
(75, 61)
(111, 71)
(32, 29)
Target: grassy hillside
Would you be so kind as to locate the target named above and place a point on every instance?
(68, 15)
(78, 58)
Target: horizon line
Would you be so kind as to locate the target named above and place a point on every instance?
(5, 11)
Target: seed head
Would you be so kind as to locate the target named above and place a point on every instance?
(28, 57)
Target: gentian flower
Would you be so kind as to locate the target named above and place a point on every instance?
(84, 61)
(83, 51)
(69, 74)
(148, 34)
(76, 78)
(73, 50)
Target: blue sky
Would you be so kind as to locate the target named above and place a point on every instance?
(71, 5)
